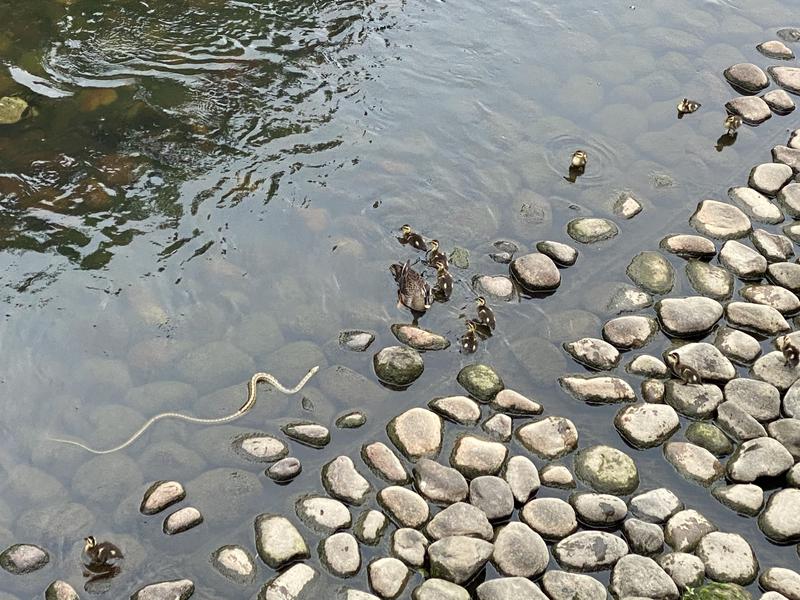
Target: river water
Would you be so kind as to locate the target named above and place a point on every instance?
(206, 188)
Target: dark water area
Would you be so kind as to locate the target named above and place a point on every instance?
(203, 189)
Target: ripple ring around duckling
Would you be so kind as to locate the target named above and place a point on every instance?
(252, 388)
(601, 162)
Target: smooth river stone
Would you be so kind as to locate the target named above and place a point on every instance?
(737, 345)
(494, 286)
(522, 477)
(655, 506)
(384, 463)
(757, 318)
(707, 360)
(262, 448)
(775, 49)
(694, 401)
(759, 399)
(493, 496)
(598, 390)
(789, 199)
(742, 261)
(785, 274)
(342, 481)
(755, 204)
(746, 77)
(772, 246)
(688, 246)
(438, 483)
(587, 551)
(779, 101)
(739, 425)
(685, 529)
(177, 589)
(781, 581)
(652, 272)
(418, 338)
(752, 109)
(417, 433)
(460, 518)
(745, 498)
(562, 254)
(160, 495)
(182, 520)
(588, 230)
(780, 520)
(607, 470)
(278, 542)
(473, 456)
(633, 331)
(639, 576)
(787, 156)
(693, 462)
(769, 178)
(647, 425)
(515, 404)
(339, 553)
(773, 369)
(549, 438)
(458, 409)
(398, 365)
(324, 515)
(594, 353)
(720, 220)
(535, 272)
(761, 457)
(404, 507)
(728, 558)
(786, 77)
(235, 563)
(627, 206)
(458, 558)
(688, 317)
(709, 280)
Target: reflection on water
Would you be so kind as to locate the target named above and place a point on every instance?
(212, 188)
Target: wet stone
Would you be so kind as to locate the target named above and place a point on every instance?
(519, 551)
(234, 563)
(418, 338)
(781, 299)
(627, 298)
(769, 178)
(789, 34)
(782, 581)
(779, 101)
(404, 507)
(356, 340)
(594, 353)
(182, 520)
(709, 280)
(737, 346)
(761, 457)
(745, 498)
(688, 317)
(742, 261)
(785, 274)
(493, 496)
(773, 369)
(728, 558)
(473, 456)
(752, 109)
(480, 381)
(630, 331)
(557, 476)
(598, 510)
(759, 399)
(791, 401)
(689, 246)
(497, 286)
(549, 438)
(522, 477)
(458, 558)
(439, 589)
(627, 206)
(647, 425)
(261, 448)
(21, 559)
(509, 588)
(278, 542)
(639, 576)
(12, 109)
(780, 520)
(787, 432)
(774, 247)
(535, 272)
(686, 570)
(643, 538)
(289, 585)
(160, 495)
(310, 434)
(651, 272)
(787, 156)
(710, 437)
(789, 199)
(685, 529)
(417, 433)
(786, 77)
(384, 463)
(343, 482)
(693, 462)
(459, 258)
(775, 49)
(552, 518)
(285, 470)
(598, 390)
(588, 551)
(460, 519)
(746, 77)
(351, 420)
(502, 258)
(589, 230)
(498, 427)
(439, 483)
(735, 421)
(370, 527)
(561, 585)
(458, 409)
(398, 366)
(707, 360)
(179, 589)
(561, 254)
(340, 555)
(653, 391)
(645, 365)
(607, 470)
(719, 220)
(60, 590)
(410, 546)
(323, 515)
(655, 506)
(695, 401)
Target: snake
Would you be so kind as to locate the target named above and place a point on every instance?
(249, 403)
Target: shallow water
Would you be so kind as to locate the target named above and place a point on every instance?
(222, 180)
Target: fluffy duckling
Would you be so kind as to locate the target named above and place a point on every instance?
(436, 256)
(732, 123)
(469, 341)
(95, 554)
(687, 374)
(485, 314)
(444, 281)
(686, 107)
(791, 353)
(579, 158)
(412, 239)
(413, 291)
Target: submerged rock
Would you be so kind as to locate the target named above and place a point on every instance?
(709, 280)
(652, 272)
(21, 559)
(178, 589)
(234, 563)
(494, 286)
(12, 109)
(398, 365)
(588, 230)
(261, 448)
(481, 381)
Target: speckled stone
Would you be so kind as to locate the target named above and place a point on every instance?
(549, 438)
(728, 558)
(737, 346)
(742, 261)
(775, 49)
(709, 280)
(647, 425)
(688, 245)
(720, 220)
(589, 230)
(769, 178)
(693, 462)
(779, 298)
(685, 529)
(752, 109)
(755, 204)
(552, 518)
(746, 77)
(772, 246)
(652, 272)
(594, 353)
(632, 331)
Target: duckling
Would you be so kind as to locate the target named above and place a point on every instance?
(469, 341)
(444, 281)
(102, 554)
(579, 158)
(686, 107)
(412, 239)
(687, 374)
(413, 291)
(732, 123)
(791, 353)
(436, 256)
(485, 314)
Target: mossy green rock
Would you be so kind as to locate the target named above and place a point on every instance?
(607, 470)
(652, 272)
(710, 437)
(398, 365)
(459, 257)
(480, 381)
(717, 591)
(12, 110)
